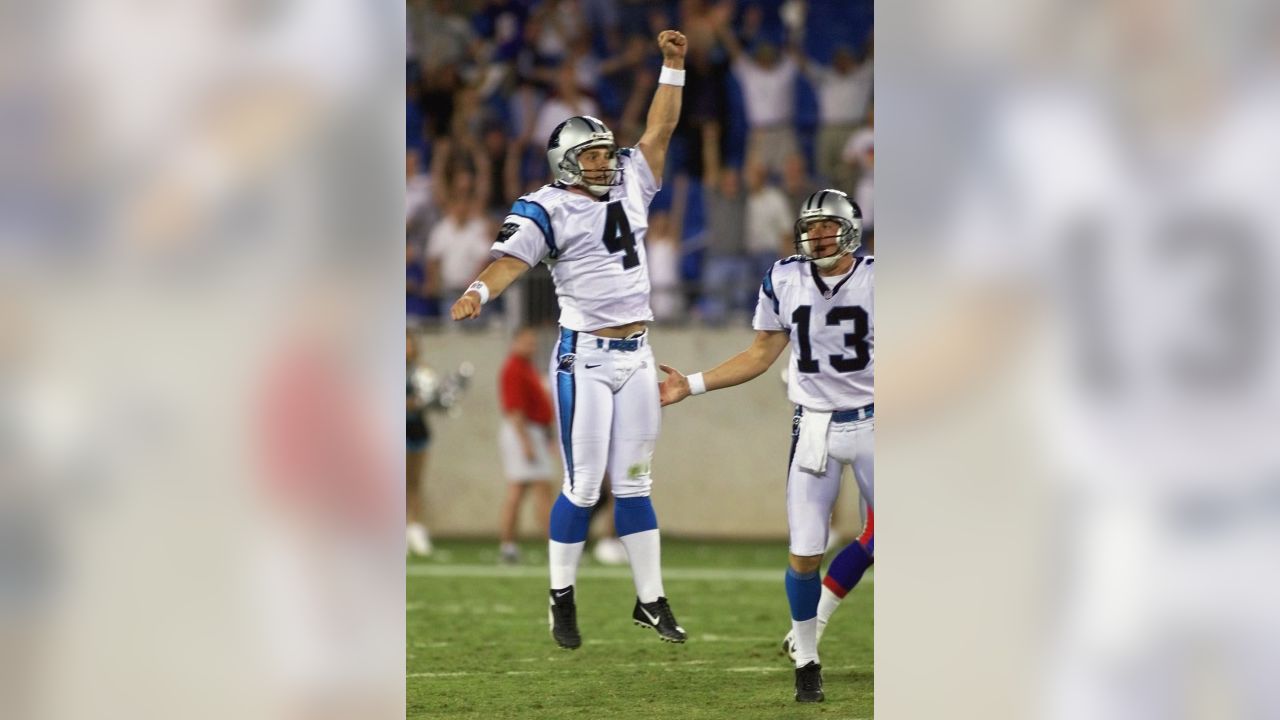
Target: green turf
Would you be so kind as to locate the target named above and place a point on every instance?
(478, 644)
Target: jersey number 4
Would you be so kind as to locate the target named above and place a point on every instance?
(856, 339)
(618, 237)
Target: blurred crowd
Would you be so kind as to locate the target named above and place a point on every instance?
(777, 103)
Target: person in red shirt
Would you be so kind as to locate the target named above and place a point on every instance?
(525, 438)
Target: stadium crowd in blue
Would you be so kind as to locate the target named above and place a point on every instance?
(777, 103)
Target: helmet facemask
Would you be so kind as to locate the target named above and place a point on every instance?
(571, 172)
(847, 240)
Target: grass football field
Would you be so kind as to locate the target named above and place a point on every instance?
(478, 644)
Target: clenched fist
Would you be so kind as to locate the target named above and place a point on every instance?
(467, 306)
(673, 44)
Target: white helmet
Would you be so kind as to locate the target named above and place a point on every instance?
(835, 206)
(569, 140)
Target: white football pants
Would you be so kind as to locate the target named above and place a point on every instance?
(810, 497)
(607, 412)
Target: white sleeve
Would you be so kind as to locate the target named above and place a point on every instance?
(526, 234)
(637, 174)
(768, 311)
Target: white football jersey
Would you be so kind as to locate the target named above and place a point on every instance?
(831, 321)
(595, 248)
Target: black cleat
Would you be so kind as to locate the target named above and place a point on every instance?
(809, 683)
(563, 617)
(657, 615)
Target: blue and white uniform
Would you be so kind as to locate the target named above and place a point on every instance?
(831, 380)
(606, 390)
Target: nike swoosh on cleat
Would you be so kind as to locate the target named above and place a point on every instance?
(652, 618)
(562, 594)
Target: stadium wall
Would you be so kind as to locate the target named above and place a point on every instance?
(720, 467)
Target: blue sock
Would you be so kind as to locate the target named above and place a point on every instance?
(637, 526)
(634, 514)
(569, 522)
(847, 568)
(803, 592)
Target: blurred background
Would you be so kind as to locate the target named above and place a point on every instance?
(777, 104)
(201, 508)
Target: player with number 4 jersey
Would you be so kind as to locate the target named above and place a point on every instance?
(821, 303)
(589, 227)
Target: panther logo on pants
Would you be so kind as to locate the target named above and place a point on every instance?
(566, 363)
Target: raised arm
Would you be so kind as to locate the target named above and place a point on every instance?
(498, 276)
(746, 365)
(730, 41)
(664, 112)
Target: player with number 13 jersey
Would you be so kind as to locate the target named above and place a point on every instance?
(820, 303)
(829, 320)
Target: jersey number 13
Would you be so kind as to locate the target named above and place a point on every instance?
(857, 340)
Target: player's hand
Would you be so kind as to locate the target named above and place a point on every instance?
(675, 388)
(467, 307)
(673, 44)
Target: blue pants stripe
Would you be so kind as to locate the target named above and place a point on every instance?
(565, 391)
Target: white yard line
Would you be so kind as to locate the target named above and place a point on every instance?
(612, 573)
(697, 666)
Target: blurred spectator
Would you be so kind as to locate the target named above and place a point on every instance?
(768, 81)
(502, 157)
(726, 269)
(418, 438)
(501, 22)
(439, 35)
(553, 25)
(590, 72)
(415, 122)
(526, 440)
(439, 91)
(567, 102)
(769, 221)
(860, 156)
(419, 207)
(419, 308)
(420, 215)
(706, 73)
(458, 246)
(455, 157)
(797, 184)
(663, 247)
(844, 93)
(602, 21)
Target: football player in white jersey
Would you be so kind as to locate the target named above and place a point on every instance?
(589, 228)
(820, 302)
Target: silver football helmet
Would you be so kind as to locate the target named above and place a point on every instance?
(569, 140)
(835, 206)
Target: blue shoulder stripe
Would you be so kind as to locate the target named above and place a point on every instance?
(540, 217)
(767, 286)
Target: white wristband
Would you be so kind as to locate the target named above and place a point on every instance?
(671, 76)
(480, 289)
(697, 384)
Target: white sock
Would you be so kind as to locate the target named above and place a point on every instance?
(564, 559)
(644, 550)
(827, 604)
(806, 641)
